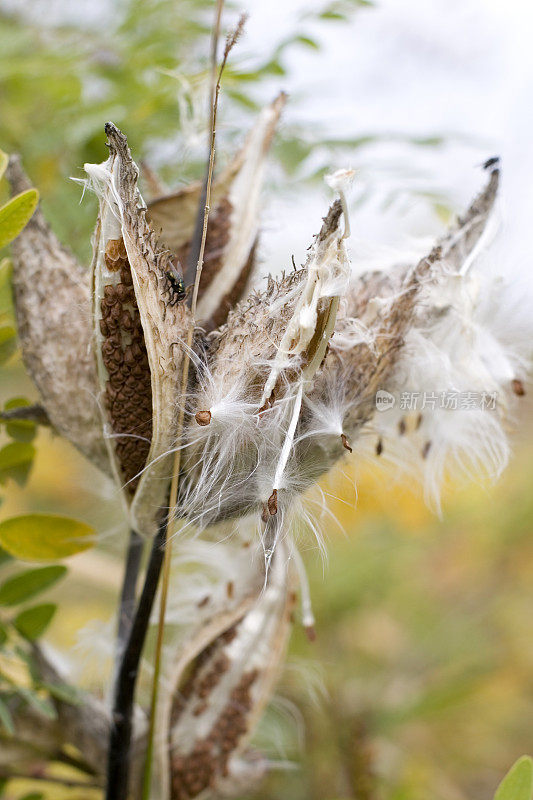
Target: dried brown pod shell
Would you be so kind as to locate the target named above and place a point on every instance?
(53, 308)
(220, 683)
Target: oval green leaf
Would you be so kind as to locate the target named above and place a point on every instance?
(8, 342)
(23, 430)
(45, 537)
(16, 214)
(27, 584)
(518, 783)
(32, 622)
(16, 459)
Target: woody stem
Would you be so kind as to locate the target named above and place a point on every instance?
(118, 763)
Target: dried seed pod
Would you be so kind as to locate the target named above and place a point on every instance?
(53, 308)
(274, 348)
(142, 361)
(271, 347)
(220, 685)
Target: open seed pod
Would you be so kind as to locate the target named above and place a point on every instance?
(234, 222)
(222, 679)
(140, 327)
(276, 408)
(270, 348)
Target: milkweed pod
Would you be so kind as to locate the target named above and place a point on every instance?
(221, 682)
(139, 336)
(53, 309)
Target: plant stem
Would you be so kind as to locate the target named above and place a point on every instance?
(127, 596)
(121, 727)
(196, 241)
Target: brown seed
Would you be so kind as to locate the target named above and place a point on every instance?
(379, 446)
(122, 292)
(203, 418)
(518, 387)
(112, 249)
(345, 443)
(426, 449)
(402, 426)
(310, 633)
(112, 265)
(129, 358)
(272, 503)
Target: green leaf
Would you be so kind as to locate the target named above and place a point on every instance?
(22, 430)
(3, 635)
(32, 622)
(307, 42)
(5, 718)
(26, 585)
(6, 293)
(45, 537)
(518, 783)
(15, 215)
(16, 459)
(33, 796)
(64, 693)
(8, 342)
(41, 704)
(3, 163)
(7, 316)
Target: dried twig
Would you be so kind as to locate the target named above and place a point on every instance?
(35, 414)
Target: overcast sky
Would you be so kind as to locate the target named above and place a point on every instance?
(462, 67)
(417, 67)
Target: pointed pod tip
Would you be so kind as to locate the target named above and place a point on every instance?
(110, 128)
(492, 164)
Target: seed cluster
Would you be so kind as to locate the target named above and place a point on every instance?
(128, 395)
(195, 679)
(208, 760)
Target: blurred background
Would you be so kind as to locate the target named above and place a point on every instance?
(420, 683)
